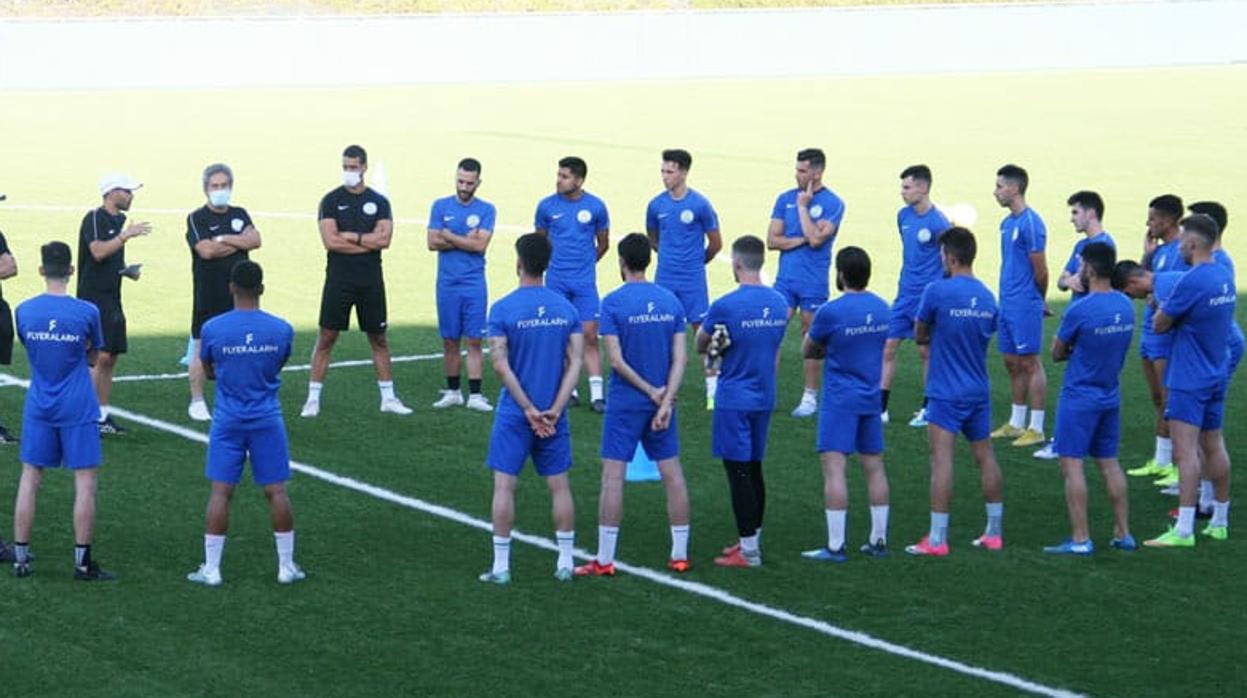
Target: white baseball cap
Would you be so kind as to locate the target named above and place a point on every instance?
(117, 180)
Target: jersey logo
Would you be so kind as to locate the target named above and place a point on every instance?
(474, 220)
(870, 318)
(342, 207)
(974, 301)
(686, 216)
(790, 205)
(448, 218)
(1225, 289)
(1015, 235)
(1160, 264)
(249, 337)
(649, 307)
(584, 216)
(236, 224)
(51, 324)
(213, 227)
(541, 311)
(766, 312)
(924, 236)
(1116, 318)
(662, 216)
(370, 209)
(816, 211)
(556, 216)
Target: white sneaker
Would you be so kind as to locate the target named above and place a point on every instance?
(477, 402)
(311, 408)
(1047, 452)
(884, 417)
(198, 411)
(920, 419)
(204, 577)
(289, 574)
(396, 406)
(449, 398)
(807, 408)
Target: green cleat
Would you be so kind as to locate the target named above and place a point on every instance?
(710, 404)
(1217, 532)
(564, 574)
(1169, 478)
(1148, 469)
(498, 578)
(1171, 539)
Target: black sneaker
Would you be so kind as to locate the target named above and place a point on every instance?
(6, 439)
(598, 406)
(108, 426)
(93, 573)
(876, 549)
(22, 569)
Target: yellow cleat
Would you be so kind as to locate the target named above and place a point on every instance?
(1030, 437)
(1148, 469)
(1169, 477)
(1007, 431)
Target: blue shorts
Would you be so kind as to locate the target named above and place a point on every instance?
(512, 442)
(845, 432)
(973, 419)
(461, 311)
(1202, 408)
(1154, 347)
(807, 297)
(264, 441)
(696, 302)
(1086, 431)
(739, 435)
(583, 295)
(904, 315)
(75, 447)
(1021, 332)
(623, 429)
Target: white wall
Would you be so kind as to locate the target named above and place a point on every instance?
(543, 47)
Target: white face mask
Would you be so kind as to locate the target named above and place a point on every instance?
(352, 178)
(219, 198)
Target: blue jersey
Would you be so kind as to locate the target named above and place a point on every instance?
(1075, 259)
(247, 349)
(1166, 258)
(1237, 339)
(1220, 256)
(58, 331)
(456, 267)
(1202, 307)
(1098, 328)
(1021, 235)
(572, 226)
(645, 317)
(805, 265)
(961, 314)
(920, 249)
(537, 324)
(853, 328)
(682, 225)
(756, 318)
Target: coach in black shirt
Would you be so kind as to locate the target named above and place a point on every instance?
(219, 235)
(355, 225)
(101, 264)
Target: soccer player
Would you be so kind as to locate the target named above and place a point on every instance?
(746, 329)
(849, 334)
(1086, 214)
(804, 224)
(1023, 284)
(460, 229)
(355, 226)
(62, 336)
(643, 329)
(1200, 311)
(956, 317)
(220, 236)
(1094, 337)
(920, 225)
(243, 350)
(1161, 254)
(536, 346)
(102, 242)
(684, 228)
(578, 226)
(8, 270)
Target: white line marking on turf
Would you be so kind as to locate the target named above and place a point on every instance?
(663, 579)
(293, 369)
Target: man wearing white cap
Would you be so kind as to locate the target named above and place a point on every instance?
(102, 262)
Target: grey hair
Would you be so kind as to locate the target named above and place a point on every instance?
(218, 168)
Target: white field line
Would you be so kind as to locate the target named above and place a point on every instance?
(655, 576)
(296, 368)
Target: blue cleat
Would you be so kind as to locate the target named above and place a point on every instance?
(1071, 547)
(1126, 543)
(826, 555)
(496, 578)
(876, 549)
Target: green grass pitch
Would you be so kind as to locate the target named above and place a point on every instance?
(391, 605)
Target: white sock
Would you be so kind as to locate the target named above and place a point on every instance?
(1205, 495)
(1186, 521)
(213, 547)
(387, 390)
(1017, 418)
(809, 395)
(566, 541)
(285, 547)
(1164, 451)
(835, 528)
(103, 412)
(608, 538)
(595, 388)
(995, 519)
(502, 555)
(749, 545)
(879, 523)
(313, 391)
(679, 542)
(1037, 421)
(939, 529)
(1220, 513)
(712, 384)
(197, 399)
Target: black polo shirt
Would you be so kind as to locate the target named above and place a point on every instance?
(211, 276)
(100, 278)
(356, 213)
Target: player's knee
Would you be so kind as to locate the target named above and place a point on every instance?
(473, 344)
(378, 340)
(453, 344)
(326, 339)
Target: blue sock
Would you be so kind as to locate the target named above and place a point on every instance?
(939, 529)
(995, 518)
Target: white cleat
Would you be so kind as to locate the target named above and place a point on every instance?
(311, 408)
(477, 402)
(198, 411)
(807, 408)
(919, 420)
(289, 574)
(449, 398)
(395, 406)
(1047, 452)
(204, 577)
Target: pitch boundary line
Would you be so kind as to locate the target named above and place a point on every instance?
(651, 575)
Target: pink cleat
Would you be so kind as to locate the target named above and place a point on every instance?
(987, 542)
(923, 547)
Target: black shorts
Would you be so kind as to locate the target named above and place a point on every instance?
(367, 296)
(207, 308)
(112, 321)
(6, 333)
